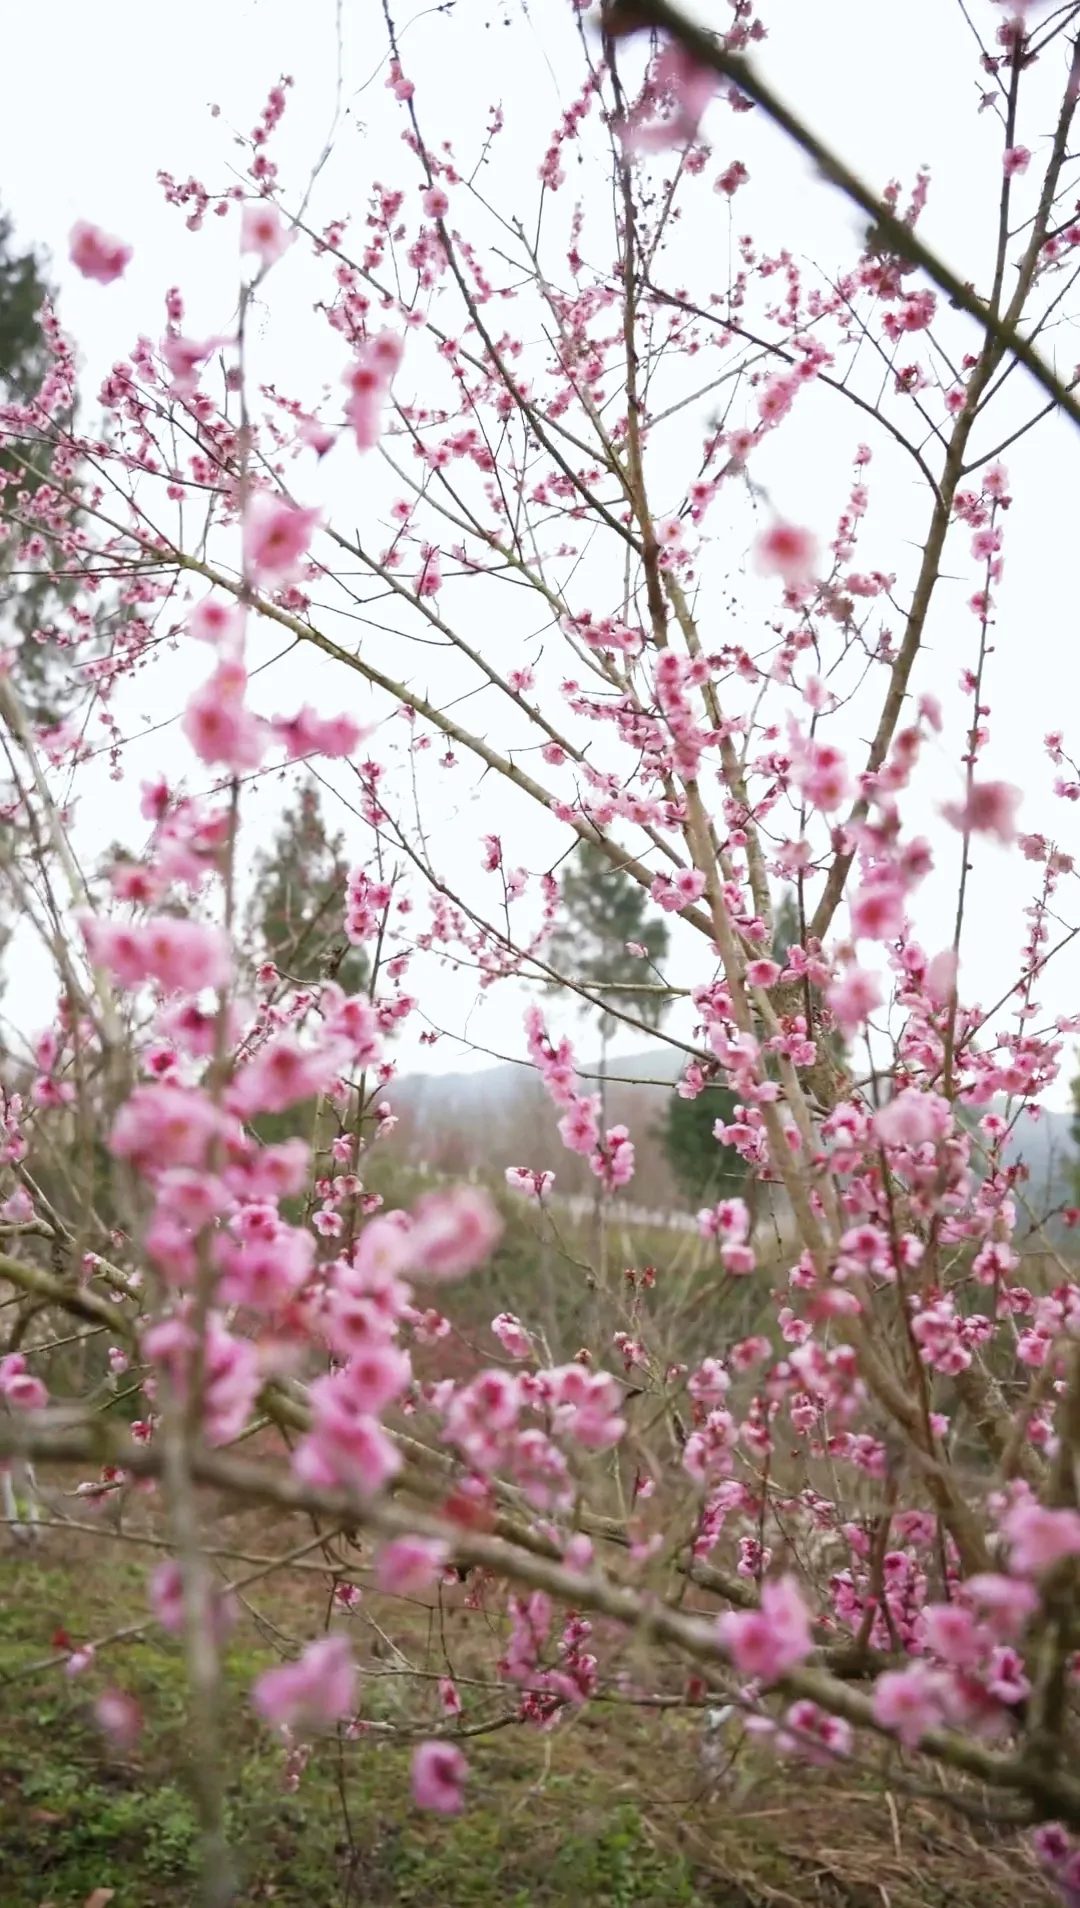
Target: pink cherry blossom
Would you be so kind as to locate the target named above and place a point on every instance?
(453, 1232)
(119, 1717)
(184, 954)
(812, 1733)
(1015, 159)
(164, 1125)
(96, 254)
(911, 1118)
(852, 999)
(166, 1595)
(512, 1335)
(678, 892)
(1005, 1603)
(19, 1388)
(116, 947)
(409, 1566)
(788, 552)
(439, 1770)
(941, 974)
(368, 379)
(823, 777)
(306, 733)
(218, 724)
(376, 1374)
(909, 1702)
(990, 809)
(219, 622)
(534, 1185)
(1040, 1538)
(184, 356)
(732, 177)
(877, 910)
(765, 1643)
(345, 1446)
(428, 580)
(284, 1072)
(579, 1127)
(314, 1693)
(276, 538)
(320, 437)
(951, 1633)
(763, 973)
(264, 232)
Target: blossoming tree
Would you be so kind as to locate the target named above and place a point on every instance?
(861, 1526)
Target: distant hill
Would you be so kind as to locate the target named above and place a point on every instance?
(501, 1116)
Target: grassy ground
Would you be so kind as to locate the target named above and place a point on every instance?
(612, 1811)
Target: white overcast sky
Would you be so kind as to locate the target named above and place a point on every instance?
(99, 97)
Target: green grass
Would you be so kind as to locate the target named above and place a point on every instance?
(75, 1816)
(609, 1812)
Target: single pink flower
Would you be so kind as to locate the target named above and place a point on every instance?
(218, 724)
(763, 973)
(1015, 159)
(788, 552)
(1005, 1603)
(732, 178)
(852, 999)
(119, 1717)
(764, 1643)
(823, 777)
(116, 946)
(408, 1566)
(512, 1335)
(184, 356)
(439, 1770)
(263, 232)
(534, 1185)
(319, 437)
(314, 1693)
(276, 538)
(877, 910)
(941, 976)
(376, 1374)
(96, 254)
(453, 1232)
(19, 1389)
(909, 1702)
(284, 1072)
(579, 1128)
(990, 809)
(951, 1633)
(1040, 1538)
(218, 622)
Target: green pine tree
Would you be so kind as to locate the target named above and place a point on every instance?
(604, 908)
(704, 1168)
(296, 914)
(34, 588)
(295, 918)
